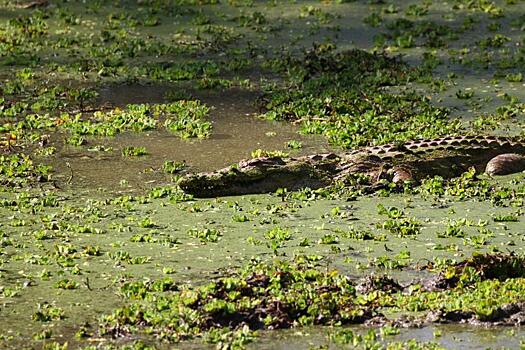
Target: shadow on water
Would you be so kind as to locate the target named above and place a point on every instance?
(236, 133)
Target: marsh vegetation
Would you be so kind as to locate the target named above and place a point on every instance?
(104, 105)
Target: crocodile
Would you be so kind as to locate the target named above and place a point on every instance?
(395, 162)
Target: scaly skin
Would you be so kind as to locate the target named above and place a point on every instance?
(410, 161)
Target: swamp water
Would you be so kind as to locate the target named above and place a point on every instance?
(137, 242)
(66, 253)
(236, 133)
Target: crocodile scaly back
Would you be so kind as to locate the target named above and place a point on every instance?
(449, 143)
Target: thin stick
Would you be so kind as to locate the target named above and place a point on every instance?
(70, 176)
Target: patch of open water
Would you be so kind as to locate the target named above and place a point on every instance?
(236, 133)
(450, 337)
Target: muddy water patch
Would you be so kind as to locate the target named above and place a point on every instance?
(236, 133)
(122, 95)
(467, 337)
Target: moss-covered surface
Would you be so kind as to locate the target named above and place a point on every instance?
(104, 104)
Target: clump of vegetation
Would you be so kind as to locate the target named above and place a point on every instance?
(19, 169)
(132, 151)
(398, 223)
(258, 153)
(276, 295)
(173, 167)
(472, 185)
(282, 295)
(480, 267)
(205, 235)
(186, 118)
(343, 96)
(484, 288)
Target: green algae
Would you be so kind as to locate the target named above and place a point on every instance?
(68, 254)
(152, 240)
